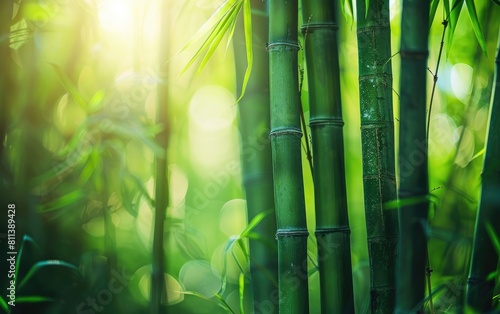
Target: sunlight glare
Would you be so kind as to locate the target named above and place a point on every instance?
(116, 15)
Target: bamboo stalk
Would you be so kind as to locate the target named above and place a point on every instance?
(256, 157)
(412, 245)
(158, 285)
(6, 8)
(332, 224)
(377, 137)
(480, 285)
(286, 152)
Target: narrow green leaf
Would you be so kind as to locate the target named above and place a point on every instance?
(87, 172)
(452, 16)
(432, 14)
(446, 9)
(4, 305)
(97, 101)
(61, 202)
(395, 204)
(476, 26)
(26, 239)
(217, 32)
(254, 222)
(241, 293)
(367, 7)
(247, 15)
(224, 304)
(493, 237)
(69, 86)
(479, 153)
(492, 276)
(209, 24)
(221, 31)
(43, 264)
(34, 299)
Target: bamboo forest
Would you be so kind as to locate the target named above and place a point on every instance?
(249, 156)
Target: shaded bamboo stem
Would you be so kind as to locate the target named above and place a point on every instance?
(158, 285)
(377, 136)
(286, 151)
(480, 285)
(412, 244)
(254, 124)
(332, 223)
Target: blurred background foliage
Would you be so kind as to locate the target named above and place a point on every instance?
(79, 120)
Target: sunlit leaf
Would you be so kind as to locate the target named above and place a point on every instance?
(61, 202)
(254, 222)
(69, 86)
(247, 14)
(432, 14)
(96, 102)
(476, 26)
(223, 303)
(241, 292)
(217, 33)
(395, 204)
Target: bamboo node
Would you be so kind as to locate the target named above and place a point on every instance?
(286, 131)
(325, 231)
(326, 121)
(292, 233)
(282, 45)
(311, 27)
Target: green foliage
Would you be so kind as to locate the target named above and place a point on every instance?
(223, 22)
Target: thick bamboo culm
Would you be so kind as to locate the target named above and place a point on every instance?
(412, 242)
(286, 151)
(377, 139)
(332, 224)
(256, 158)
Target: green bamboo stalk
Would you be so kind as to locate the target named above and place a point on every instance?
(377, 138)
(256, 157)
(480, 284)
(412, 245)
(286, 152)
(6, 8)
(158, 286)
(332, 224)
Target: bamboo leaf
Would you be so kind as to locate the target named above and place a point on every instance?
(452, 16)
(367, 7)
(4, 305)
(434, 5)
(395, 204)
(476, 26)
(34, 299)
(479, 153)
(69, 86)
(224, 304)
(247, 22)
(61, 202)
(26, 239)
(208, 25)
(241, 292)
(254, 222)
(217, 32)
(96, 102)
(493, 237)
(42, 265)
